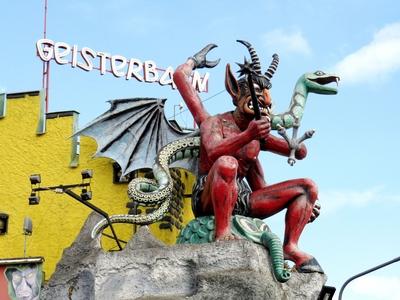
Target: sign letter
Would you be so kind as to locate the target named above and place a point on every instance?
(45, 49)
(61, 50)
(103, 57)
(74, 55)
(116, 68)
(149, 68)
(166, 78)
(199, 84)
(134, 67)
(85, 53)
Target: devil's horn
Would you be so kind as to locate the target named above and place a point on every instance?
(272, 67)
(254, 57)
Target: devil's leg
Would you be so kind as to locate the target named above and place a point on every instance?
(298, 196)
(220, 194)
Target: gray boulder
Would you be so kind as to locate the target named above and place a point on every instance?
(148, 269)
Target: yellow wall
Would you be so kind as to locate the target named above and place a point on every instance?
(58, 218)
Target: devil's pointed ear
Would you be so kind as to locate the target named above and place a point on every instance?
(231, 84)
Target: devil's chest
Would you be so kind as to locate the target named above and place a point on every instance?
(247, 153)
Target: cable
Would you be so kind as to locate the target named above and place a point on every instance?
(209, 98)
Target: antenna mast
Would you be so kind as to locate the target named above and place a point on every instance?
(46, 64)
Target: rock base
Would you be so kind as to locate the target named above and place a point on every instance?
(148, 269)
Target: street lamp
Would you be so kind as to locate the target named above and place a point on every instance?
(87, 174)
(397, 259)
(35, 179)
(34, 199)
(86, 194)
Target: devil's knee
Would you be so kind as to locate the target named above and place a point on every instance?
(310, 189)
(226, 167)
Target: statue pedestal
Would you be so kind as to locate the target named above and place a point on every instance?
(148, 269)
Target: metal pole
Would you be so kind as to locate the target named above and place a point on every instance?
(46, 64)
(111, 237)
(98, 210)
(25, 246)
(47, 85)
(60, 187)
(174, 112)
(366, 272)
(254, 101)
(45, 19)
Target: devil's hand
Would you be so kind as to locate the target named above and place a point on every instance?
(301, 151)
(259, 129)
(315, 212)
(200, 60)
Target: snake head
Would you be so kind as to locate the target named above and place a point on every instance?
(318, 82)
(200, 60)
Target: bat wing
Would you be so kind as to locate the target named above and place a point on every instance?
(132, 132)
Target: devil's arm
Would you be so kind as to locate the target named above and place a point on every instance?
(280, 146)
(255, 177)
(188, 93)
(214, 142)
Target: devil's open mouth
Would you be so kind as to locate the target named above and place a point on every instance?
(264, 110)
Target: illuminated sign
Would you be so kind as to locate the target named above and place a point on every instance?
(120, 66)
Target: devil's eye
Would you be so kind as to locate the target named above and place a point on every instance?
(319, 73)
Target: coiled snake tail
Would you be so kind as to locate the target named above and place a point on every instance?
(154, 192)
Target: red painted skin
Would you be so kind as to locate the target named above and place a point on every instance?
(229, 150)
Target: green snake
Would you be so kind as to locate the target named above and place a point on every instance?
(201, 230)
(158, 192)
(307, 83)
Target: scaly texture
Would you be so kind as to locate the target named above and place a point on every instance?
(151, 192)
(272, 242)
(307, 83)
(202, 230)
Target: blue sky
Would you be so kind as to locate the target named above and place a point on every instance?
(353, 156)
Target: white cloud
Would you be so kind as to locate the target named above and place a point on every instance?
(374, 287)
(375, 60)
(337, 199)
(287, 41)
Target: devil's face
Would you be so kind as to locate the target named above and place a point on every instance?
(245, 104)
(239, 89)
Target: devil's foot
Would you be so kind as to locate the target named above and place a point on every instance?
(305, 263)
(310, 266)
